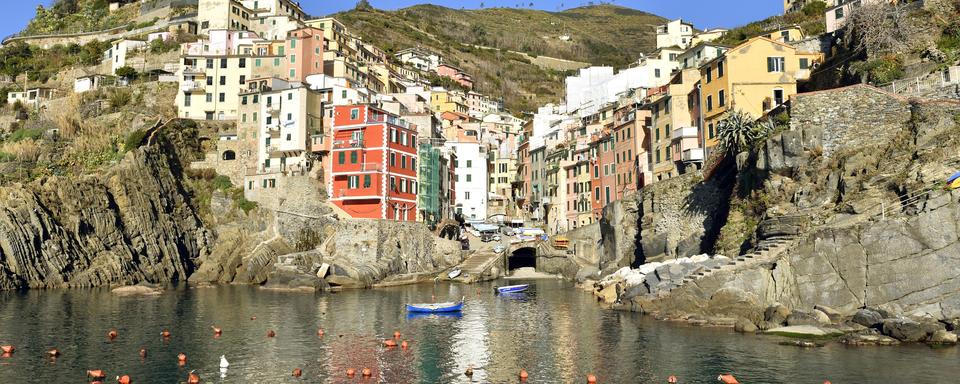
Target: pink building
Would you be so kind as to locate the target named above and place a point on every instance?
(449, 71)
(305, 57)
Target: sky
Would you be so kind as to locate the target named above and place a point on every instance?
(703, 13)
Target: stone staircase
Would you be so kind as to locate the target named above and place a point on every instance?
(475, 266)
(767, 251)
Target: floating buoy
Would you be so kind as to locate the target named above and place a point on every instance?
(351, 372)
(112, 334)
(727, 378)
(96, 382)
(53, 353)
(403, 344)
(7, 348)
(123, 379)
(143, 353)
(271, 333)
(224, 364)
(389, 343)
(469, 371)
(165, 333)
(253, 317)
(672, 379)
(297, 372)
(396, 334)
(366, 372)
(182, 358)
(523, 374)
(193, 378)
(216, 331)
(95, 374)
(827, 382)
(320, 332)
(591, 379)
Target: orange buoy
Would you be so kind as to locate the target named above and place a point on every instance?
(297, 372)
(165, 333)
(672, 379)
(366, 372)
(217, 331)
(143, 353)
(523, 374)
(403, 344)
(727, 378)
(351, 372)
(53, 352)
(396, 334)
(181, 357)
(469, 371)
(96, 373)
(320, 332)
(591, 379)
(112, 334)
(827, 382)
(271, 333)
(123, 379)
(389, 343)
(7, 348)
(193, 378)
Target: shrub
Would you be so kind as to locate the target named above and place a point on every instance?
(126, 72)
(119, 98)
(134, 140)
(880, 71)
(246, 205)
(25, 133)
(222, 183)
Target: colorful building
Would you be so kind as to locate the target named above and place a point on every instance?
(455, 74)
(373, 164)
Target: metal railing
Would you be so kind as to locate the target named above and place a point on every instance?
(925, 83)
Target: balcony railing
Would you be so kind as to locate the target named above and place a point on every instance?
(190, 70)
(347, 144)
(685, 133)
(192, 86)
(693, 154)
(374, 191)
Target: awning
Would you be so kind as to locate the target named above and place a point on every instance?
(485, 227)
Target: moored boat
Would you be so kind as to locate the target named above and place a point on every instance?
(512, 288)
(453, 306)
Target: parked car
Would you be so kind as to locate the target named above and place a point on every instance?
(499, 248)
(507, 231)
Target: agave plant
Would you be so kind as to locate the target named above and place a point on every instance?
(737, 132)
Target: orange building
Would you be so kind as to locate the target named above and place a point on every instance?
(373, 164)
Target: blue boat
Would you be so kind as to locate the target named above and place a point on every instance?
(512, 288)
(436, 308)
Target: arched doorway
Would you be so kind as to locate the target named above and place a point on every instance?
(229, 155)
(522, 258)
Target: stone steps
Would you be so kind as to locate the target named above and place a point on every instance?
(760, 254)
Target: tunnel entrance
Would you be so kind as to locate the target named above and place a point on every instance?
(521, 258)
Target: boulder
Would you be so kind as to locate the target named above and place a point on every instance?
(867, 338)
(345, 281)
(134, 290)
(822, 317)
(744, 326)
(942, 336)
(776, 314)
(867, 318)
(798, 317)
(588, 272)
(834, 314)
(903, 329)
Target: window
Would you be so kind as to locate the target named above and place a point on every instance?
(223, 63)
(293, 43)
(709, 103)
(366, 181)
(223, 80)
(393, 159)
(353, 157)
(838, 14)
(209, 97)
(354, 113)
(775, 64)
(777, 97)
(469, 163)
(258, 63)
(186, 100)
(711, 130)
(210, 63)
(720, 98)
(293, 73)
(719, 69)
(243, 100)
(466, 195)
(254, 116)
(709, 74)
(243, 79)
(596, 192)
(658, 155)
(353, 182)
(341, 157)
(657, 132)
(243, 62)
(804, 63)
(393, 183)
(209, 80)
(656, 72)
(223, 97)
(293, 59)
(403, 161)
(413, 163)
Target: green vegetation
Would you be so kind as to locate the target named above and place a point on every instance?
(159, 46)
(738, 132)
(222, 183)
(879, 71)
(134, 140)
(40, 64)
(76, 16)
(118, 98)
(126, 72)
(24, 134)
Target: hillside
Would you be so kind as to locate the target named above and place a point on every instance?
(603, 34)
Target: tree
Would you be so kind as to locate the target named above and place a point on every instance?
(363, 5)
(126, 72)
(887, 28)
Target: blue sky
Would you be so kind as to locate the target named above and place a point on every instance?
(703, 13)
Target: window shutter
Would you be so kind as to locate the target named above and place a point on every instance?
(770, 64)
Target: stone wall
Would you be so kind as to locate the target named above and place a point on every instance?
(858, 115)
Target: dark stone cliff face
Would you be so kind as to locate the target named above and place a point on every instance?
(131, 224)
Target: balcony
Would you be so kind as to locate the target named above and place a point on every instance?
(685, 133)
(193, 71)
(693, 154)
(273, 109)
(192, 86)
(347, 144)
(372, 192)
(273, 131)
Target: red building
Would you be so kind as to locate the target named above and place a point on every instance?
(374, 164)
(603, 178)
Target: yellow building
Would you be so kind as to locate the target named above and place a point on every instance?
(786, 34)
(223, 14)
(753, 77)
(447, 101)
(672, 132)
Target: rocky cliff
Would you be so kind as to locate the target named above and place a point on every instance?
(844, 209)
(131, 224)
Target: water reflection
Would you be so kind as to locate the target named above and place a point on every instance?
(553, 331)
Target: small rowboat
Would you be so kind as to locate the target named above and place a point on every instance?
(454, 273)
(435, 308)
(512, 288)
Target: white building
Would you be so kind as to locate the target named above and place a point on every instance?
(675, 33)
(117, 54)
(700, 54)
(471, 177)
(420, 58)
(596, 86)
(32, 97)
(290, 114)
(89, 83)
